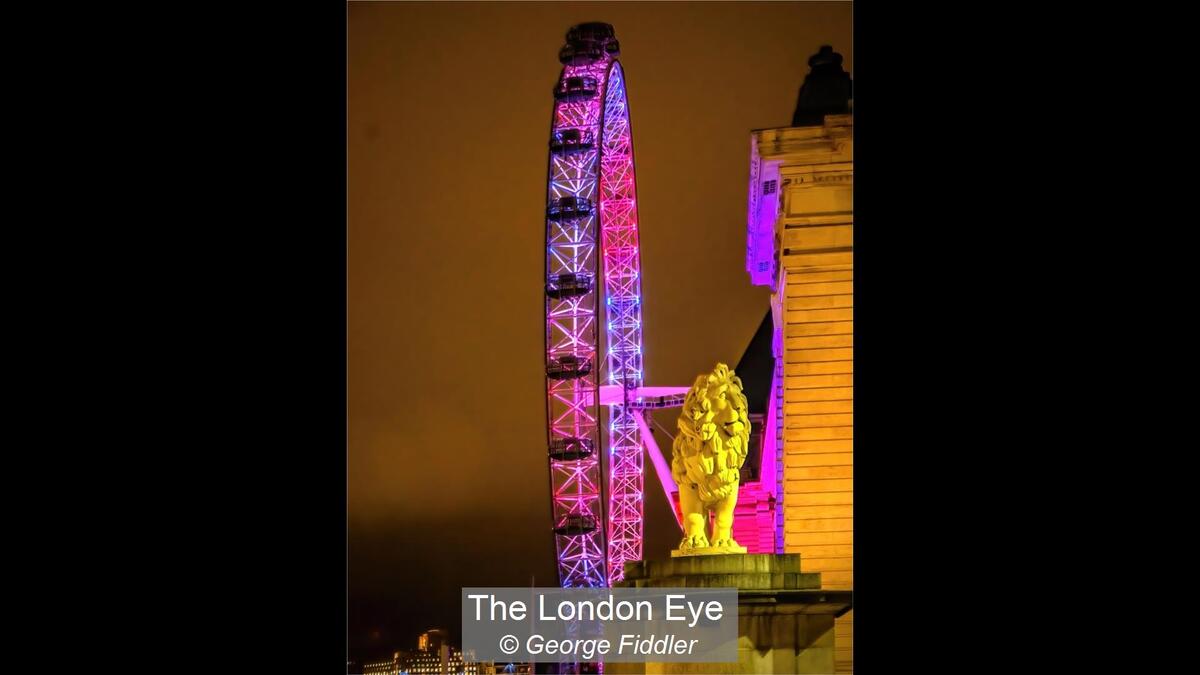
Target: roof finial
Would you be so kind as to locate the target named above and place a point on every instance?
(827, 89)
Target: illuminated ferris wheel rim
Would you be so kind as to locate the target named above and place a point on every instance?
(592, 189)
(592, 213)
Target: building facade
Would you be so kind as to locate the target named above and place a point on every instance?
(445, 660)
(801, 244)
(432, 657)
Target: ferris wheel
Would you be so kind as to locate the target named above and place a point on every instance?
(594, 284)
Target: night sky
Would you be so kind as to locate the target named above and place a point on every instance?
(449, 110)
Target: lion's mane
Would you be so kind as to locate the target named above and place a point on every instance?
(706, 425)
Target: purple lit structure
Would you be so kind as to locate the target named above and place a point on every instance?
(592, 214)
(592, 235)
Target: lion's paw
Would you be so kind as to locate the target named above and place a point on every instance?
(722, 543)
(695, 541)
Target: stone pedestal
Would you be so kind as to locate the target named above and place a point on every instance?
(785, 620)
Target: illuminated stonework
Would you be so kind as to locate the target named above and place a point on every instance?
(801, 244)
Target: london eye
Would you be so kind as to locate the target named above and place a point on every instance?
(594, 289)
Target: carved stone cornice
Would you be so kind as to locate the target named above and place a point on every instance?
(832, 142)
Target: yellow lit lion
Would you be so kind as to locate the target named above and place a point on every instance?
(714, 434)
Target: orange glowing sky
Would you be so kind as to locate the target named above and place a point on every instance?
(448, 117)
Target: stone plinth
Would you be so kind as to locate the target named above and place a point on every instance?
(785, 620)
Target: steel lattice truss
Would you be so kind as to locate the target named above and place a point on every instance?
(592, 187)
(623, 291)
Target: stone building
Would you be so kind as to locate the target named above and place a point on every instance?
(801, 244)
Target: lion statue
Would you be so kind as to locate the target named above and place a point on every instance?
(714, 435)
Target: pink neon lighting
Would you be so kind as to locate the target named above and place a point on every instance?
(623, 293)
(601, 173)
(755, 521)
(613, 394)
(767, 472)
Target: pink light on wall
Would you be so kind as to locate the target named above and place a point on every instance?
(754, 521)
(763, 204)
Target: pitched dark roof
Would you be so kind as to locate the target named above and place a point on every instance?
(756, 367)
